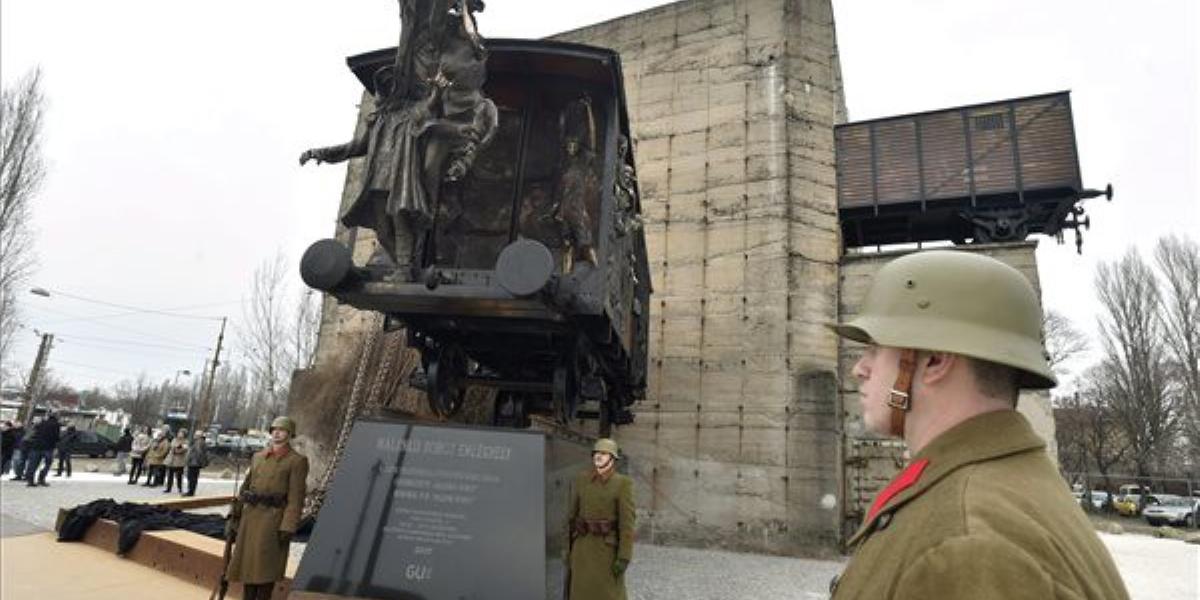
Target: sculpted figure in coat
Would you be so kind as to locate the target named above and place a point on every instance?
(429, 119)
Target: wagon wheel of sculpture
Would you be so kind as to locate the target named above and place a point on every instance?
(446, 373)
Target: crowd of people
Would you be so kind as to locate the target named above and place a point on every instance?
(162, 456)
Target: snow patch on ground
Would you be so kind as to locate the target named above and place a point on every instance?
(1156, 568)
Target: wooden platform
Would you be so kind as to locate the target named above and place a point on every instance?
(163, 564)
(36, 567)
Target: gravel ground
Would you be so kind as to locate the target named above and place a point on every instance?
(1152, 568)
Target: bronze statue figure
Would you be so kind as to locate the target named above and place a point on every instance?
(578, 190)
(429, 121)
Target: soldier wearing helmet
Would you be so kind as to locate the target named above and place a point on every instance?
(601, 526)
(980, 511)
(265, 515)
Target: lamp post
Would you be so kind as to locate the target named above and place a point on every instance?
(39, 363)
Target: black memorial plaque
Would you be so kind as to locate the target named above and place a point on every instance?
(441, 512)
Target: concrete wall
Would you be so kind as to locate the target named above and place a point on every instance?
(733, 105)
(871, 462)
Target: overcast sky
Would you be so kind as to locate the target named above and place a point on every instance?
(173, 130)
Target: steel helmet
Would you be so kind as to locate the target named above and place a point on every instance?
(284, 423)
(607, 445)
(959, 302)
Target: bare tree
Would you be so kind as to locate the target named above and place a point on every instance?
(1136, 361)
(265, 336)
(1178, 261)
(304, 330)
(1102, 437)
(140, 400)
(1069, 424)
(21, 174)
(1064, 340)
(229, 394)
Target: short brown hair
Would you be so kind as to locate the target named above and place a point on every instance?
(995, 380)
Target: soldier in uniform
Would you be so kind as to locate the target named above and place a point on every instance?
(602, 523)
(266, 512)
(980, 511)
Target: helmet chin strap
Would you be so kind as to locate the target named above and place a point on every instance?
(900, 397)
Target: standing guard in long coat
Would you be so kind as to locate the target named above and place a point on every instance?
(602, 525)
(266, 513)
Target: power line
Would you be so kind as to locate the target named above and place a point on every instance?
(135, 309)
(141, 312)
(73, 341)
(75, 338)
(92, 367)
(128, 330)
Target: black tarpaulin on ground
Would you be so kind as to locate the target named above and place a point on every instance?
(133, 519)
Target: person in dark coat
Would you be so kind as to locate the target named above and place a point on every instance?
(66, 445)
(197, 458)
(7, 444)
(41, 447)
(124, 445)
(21, 446)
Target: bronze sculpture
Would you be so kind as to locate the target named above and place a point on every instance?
(430, 119)
(578, 188)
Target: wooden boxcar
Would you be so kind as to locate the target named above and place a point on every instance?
(990, 172)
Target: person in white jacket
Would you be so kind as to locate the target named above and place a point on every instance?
(137, 454)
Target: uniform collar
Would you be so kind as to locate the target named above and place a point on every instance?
(978, 439)
(274, 451)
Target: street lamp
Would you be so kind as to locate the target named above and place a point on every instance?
(37, 291)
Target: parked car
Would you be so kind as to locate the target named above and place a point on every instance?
(1127, 505)
(1172, 510)
(256, 442)
(1097, 497)
(93, 445)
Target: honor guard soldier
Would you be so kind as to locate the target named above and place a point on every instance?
(602, 524)
(266, 512)
(981, 511)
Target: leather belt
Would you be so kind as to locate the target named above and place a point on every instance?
(271, 500)
(594, 526)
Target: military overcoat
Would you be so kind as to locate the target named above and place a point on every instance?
(258, 554)
(592, 556)
(979, 513)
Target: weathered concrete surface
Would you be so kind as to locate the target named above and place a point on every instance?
(733, 105)
(871, 462)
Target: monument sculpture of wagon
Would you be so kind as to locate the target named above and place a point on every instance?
(501, 186)
(993, 172)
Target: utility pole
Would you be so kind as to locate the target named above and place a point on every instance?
(34, 374)
(203, 417)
